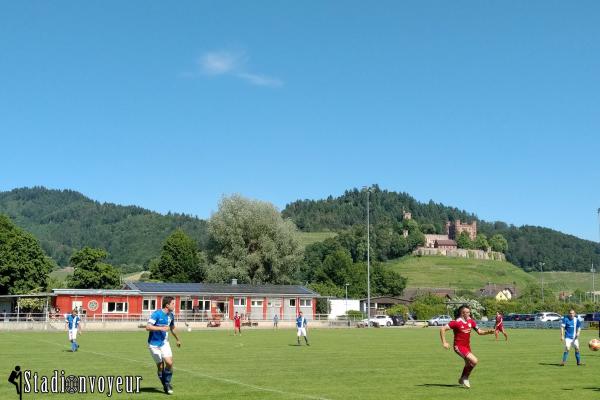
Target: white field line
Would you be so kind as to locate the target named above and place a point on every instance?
(201, 375)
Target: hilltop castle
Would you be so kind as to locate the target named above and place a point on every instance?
(453, 231)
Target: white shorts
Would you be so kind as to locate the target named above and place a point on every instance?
(573, 342)
(301, 331)
(159, 353)
(73, 334)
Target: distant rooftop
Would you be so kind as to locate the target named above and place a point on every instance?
(216, 288)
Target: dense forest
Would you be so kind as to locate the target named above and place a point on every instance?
(528, 246)
(65, 221)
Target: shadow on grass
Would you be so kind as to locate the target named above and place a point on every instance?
(595, 389)
(552, 364)
(150, 390)
(439, 385)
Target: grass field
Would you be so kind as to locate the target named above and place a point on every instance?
(461, 273)
(389, 363)
(307, 238)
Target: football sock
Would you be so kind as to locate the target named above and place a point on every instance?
(467, 371)
(160, 376)
(167, 374)
(577, 357)
(565, 355)
(306, 339)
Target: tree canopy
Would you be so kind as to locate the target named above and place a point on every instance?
(90, 272)
(250, 241)
(180, 260)
(24, 267)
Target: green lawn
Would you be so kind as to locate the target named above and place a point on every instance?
(307, 238)
(567, 280)
(341, 364)
(461, 273)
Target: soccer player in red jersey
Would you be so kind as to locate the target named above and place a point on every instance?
(499, 327)
(462, 341)
(237, 324)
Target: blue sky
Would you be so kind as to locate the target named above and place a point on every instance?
(492, 107)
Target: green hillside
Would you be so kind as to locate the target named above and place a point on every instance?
(567, 281)
(459, 273)
(64, 221)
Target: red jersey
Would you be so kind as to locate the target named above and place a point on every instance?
(499, 320)
(237, 320)
(462, 331)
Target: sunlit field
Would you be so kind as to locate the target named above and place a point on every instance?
(386, 363)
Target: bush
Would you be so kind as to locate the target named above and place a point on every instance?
(398, 309)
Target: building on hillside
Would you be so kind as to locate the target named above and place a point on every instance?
(431, 238)
(501, 292)
(454, 229)
(445, 244)
(412, 293)
(195, 301)
(381, 303)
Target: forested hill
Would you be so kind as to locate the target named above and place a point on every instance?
(527, 245)
(65, 220)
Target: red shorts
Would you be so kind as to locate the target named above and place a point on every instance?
(500, 328)
(238, 326)
(462, 351)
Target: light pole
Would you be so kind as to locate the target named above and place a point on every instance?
(347, 316)
(368, 259)
(542, 269)
(593, 283)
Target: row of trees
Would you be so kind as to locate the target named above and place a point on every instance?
(496, 243)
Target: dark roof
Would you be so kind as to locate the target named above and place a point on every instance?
(216, 288)
(443, 242)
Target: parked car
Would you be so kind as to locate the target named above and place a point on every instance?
(524, 317)
(379, 320)
(439, 320)
(547, 317)
(398, 320)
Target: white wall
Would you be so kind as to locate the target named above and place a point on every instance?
(338, 307)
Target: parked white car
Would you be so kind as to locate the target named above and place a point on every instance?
(439, 320)
(547, 316)
(381, 320)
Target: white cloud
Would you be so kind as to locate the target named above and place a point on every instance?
(234, 64)
(260, 80)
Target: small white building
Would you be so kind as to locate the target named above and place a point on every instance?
(338, 307)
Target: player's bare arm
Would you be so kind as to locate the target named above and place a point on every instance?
(443, 336)
(562, 334)
(150, 327)
(483, 332)
(177, 341)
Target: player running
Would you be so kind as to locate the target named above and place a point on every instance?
(72, 324)
(462, 341)
(158, 326)
(570, 329)
(237, 324)
(301, 324)
(499, 327)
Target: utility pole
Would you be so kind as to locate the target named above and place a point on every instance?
(542, 269)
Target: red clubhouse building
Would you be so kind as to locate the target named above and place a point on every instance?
(194, 301)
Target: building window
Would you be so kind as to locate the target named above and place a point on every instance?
(305, 303)
(257, 303)
(239, 301)
(185, 305)
(149, 305)
(274, 303)
(204, 305)
(292, 302)
(117, 307)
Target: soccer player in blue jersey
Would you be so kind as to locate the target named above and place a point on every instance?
(72, 324)
(158, 326)
(301, 324)
(570, 328)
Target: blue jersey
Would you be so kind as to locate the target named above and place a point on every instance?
(73, 321)
(160, 318)
(301, 322)
(571, 326)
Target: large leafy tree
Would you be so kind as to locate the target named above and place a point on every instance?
(180, 260)
(91, 272)
(498, 243)
(250, 241)
(23, 265)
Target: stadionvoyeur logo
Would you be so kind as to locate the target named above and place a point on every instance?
(26, 382)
